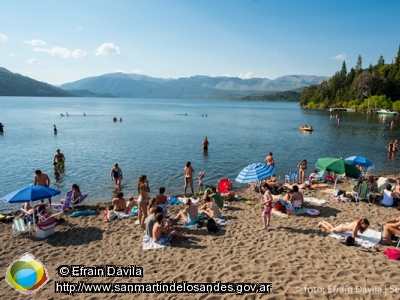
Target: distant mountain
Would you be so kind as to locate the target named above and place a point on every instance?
(13, 84)
(141, 86)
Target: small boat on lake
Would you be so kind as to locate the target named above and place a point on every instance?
(306, 128)
(387, 112)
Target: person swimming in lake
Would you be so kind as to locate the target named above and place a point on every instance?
(355, 227)
(116, 175)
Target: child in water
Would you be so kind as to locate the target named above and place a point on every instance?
(56, 170)
(201, 176)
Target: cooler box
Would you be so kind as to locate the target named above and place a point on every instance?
(45, 229)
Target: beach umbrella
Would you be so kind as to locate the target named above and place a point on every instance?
(359, 161)
(338, 166)
(255, 172)
(29, 194)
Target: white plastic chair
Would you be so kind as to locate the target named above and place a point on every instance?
(291, 177)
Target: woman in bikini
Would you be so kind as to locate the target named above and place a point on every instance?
(76, 193)
(188, 174)
(358, 226)
(143, 191)
(116, 175)
(302, 166)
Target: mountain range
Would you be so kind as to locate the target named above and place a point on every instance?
(142, 86)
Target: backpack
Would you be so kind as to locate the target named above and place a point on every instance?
(348, 241)
(212, 226)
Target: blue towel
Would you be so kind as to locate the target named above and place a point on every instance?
(173, 201)
(83, 213)
(135, 211)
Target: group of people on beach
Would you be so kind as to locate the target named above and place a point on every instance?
(392, 147)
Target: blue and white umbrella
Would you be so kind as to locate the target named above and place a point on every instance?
(29, 194)
(255, 172)
(359, 161)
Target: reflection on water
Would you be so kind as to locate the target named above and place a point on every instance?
(157, 138)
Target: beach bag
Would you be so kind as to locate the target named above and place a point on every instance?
(392, 253)
(348, 241)
(212, 226)
(111, 215)
(278, 206)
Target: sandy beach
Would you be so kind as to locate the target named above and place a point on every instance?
(299, 260)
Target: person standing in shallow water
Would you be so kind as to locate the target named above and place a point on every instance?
(270, 160)
(1, 128)
(55, 129)
(205, 144)
(116, 175)
(188, 175)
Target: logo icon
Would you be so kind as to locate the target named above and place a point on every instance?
(27, 274)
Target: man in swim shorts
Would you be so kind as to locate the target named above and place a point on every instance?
(59, 158)
(41, 179)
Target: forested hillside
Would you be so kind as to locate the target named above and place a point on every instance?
(378, 85)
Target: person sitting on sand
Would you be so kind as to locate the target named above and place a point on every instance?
(161, 200)
(189, 214)
(210, 208)
(162, 234)
(355, 227)
(373, 185)
(388, 196)
(151, 206)
(266, 213)
(391, 227)
(311, 176)
(217, 197)
(119, 203)
(297, 195)
(397, 189)
(329, 178)
(130, 204)
(150, 220)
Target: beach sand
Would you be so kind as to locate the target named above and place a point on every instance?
(296, 257)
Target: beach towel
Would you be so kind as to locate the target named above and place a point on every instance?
(367, 239)
(319, 185)
(149, 244)
(134, 211)
(315, 200)
(183, 200)
(279, 213)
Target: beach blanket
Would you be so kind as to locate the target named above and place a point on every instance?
(173, 201)
(299, 211)
(121, 214)
(315, 200)
(367, 239)
(149, 244)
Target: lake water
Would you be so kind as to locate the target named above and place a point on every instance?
(157, 138)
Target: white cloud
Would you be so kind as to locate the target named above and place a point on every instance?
(137, 71)
(107, 48)
(63, 52)
(12, 54)
(248, 75)
(78, 53)
(79, 28)
(3, 38)
(340, 57)
(35, 42)
(34, 61)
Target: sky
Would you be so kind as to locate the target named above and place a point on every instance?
(60, 41)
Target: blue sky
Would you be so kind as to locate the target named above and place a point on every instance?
(59, 41)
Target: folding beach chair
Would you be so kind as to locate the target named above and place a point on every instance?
(363, 192)
(19, 226)
(79, 201)
(63, 204)
(291, 177)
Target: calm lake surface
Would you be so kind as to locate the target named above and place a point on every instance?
(157, 138)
